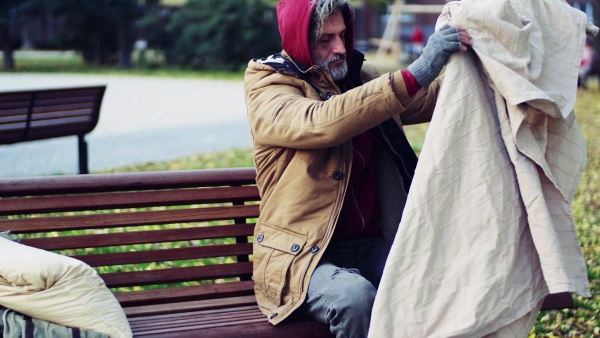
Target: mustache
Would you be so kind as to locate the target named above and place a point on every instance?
(336, 58)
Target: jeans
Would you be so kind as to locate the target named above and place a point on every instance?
(342, 288)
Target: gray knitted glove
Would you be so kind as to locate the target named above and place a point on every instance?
(440, 46)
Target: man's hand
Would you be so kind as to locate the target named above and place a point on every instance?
(440, 46)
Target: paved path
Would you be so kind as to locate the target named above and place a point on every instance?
(142, 119)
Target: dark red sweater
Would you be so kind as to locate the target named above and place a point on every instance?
(361, 210)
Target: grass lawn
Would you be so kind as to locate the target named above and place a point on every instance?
(69, 62)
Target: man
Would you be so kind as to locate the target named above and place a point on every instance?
(333, 164)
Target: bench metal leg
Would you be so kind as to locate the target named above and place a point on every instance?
(83, 155)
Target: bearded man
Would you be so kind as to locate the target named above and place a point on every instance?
(333, 164)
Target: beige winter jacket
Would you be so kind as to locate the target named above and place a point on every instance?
(303, 157)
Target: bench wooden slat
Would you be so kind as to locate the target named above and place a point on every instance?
(294, 327)
(58, 128)
(64, 107)
(70, 92)
(299, 329)
(176, 275)
(16, 128)
(210, 317)
(203, 321)
(65, 123)
(40, 100)
(70, 103)
(96, 221)
(52, 115)
(15, 97)
(199, 327)
(164, 255)
(243, 309)
(9, 133)
(19, 113)
(72, 184)
(183, 294)
(12, 120)
(137, 199)
(208, 304)
(140, 237)
(6, 105)
(196, 321)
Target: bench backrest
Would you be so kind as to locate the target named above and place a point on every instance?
(42, 114)
(185, 230)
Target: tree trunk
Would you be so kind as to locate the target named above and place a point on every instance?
(125, 42)
(7, 49)
(97, 48)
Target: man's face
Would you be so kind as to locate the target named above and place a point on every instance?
(329, 51)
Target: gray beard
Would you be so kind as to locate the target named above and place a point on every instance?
(338, 74)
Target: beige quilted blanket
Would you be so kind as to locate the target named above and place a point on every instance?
(487, 231)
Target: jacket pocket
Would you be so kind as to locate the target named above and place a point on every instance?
(274, 251)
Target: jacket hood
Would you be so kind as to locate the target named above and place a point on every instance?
(294, 27)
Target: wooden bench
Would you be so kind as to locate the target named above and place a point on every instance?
(42, 114)
(183, 235)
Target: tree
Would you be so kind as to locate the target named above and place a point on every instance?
(101, 30)
(153, 27)
(222, 34)
(10, 20)
(126, 12)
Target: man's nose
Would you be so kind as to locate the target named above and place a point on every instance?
(339, 46)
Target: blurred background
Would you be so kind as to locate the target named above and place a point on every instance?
(174, 69)
(193, 34)
(174, 98)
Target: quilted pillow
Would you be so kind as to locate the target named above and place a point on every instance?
(58, 289)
